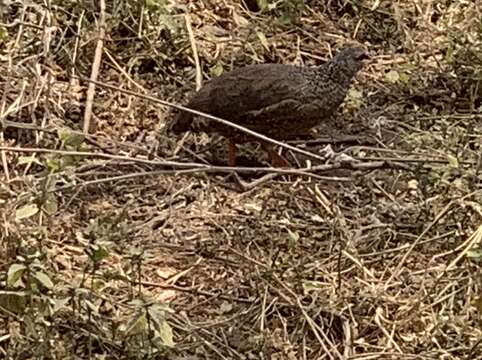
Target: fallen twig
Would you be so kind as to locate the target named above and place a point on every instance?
(95, 69)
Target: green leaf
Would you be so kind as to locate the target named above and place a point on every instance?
(69, 160)
(50, 205)
(58, 304)
(54, 165)
(309, 286)
(93, 307)
(354, 99)
(404, 78)
(392, 76)
(151, 5)
(3, 33)
(157, 312)
(136, 303)
(453, 162)
(98, 252)
(70, 138)
(14, 275)
(98, 284)
(26, 211)
(285, 19)
(412, 184)
(166, 335)
(293, 238)
(474, 254)
(43, 279)
(137, 325)
(262, 39)
(217, 69)
(262, 4)
(449, 54)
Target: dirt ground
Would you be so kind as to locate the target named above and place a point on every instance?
(126, 242)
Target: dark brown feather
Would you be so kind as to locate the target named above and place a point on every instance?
(280, 101)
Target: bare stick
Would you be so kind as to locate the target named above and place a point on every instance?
(207, 116)
(95, 69)
(194, 52)
(178, 166)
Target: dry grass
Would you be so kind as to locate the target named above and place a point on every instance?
(115, 254)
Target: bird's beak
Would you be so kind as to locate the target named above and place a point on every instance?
(364, 56)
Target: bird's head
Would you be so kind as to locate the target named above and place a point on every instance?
(351, 59)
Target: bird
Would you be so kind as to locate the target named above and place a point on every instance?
(280, 101)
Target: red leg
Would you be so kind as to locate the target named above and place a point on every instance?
(231, 152)
(276, 159)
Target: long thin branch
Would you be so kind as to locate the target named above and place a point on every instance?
(180, 166)
(207, 116)
(192, 40)
(95, 69)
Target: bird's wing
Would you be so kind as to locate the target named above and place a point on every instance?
(252, 88)
(247, 92)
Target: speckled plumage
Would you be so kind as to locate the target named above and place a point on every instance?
(279, 101)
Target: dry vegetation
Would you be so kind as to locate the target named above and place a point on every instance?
(109, 252)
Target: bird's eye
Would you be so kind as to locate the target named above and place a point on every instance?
(362, 56)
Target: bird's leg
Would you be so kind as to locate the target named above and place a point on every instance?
(231, 152)
(276, 159)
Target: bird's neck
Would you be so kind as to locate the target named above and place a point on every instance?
(340, 73)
